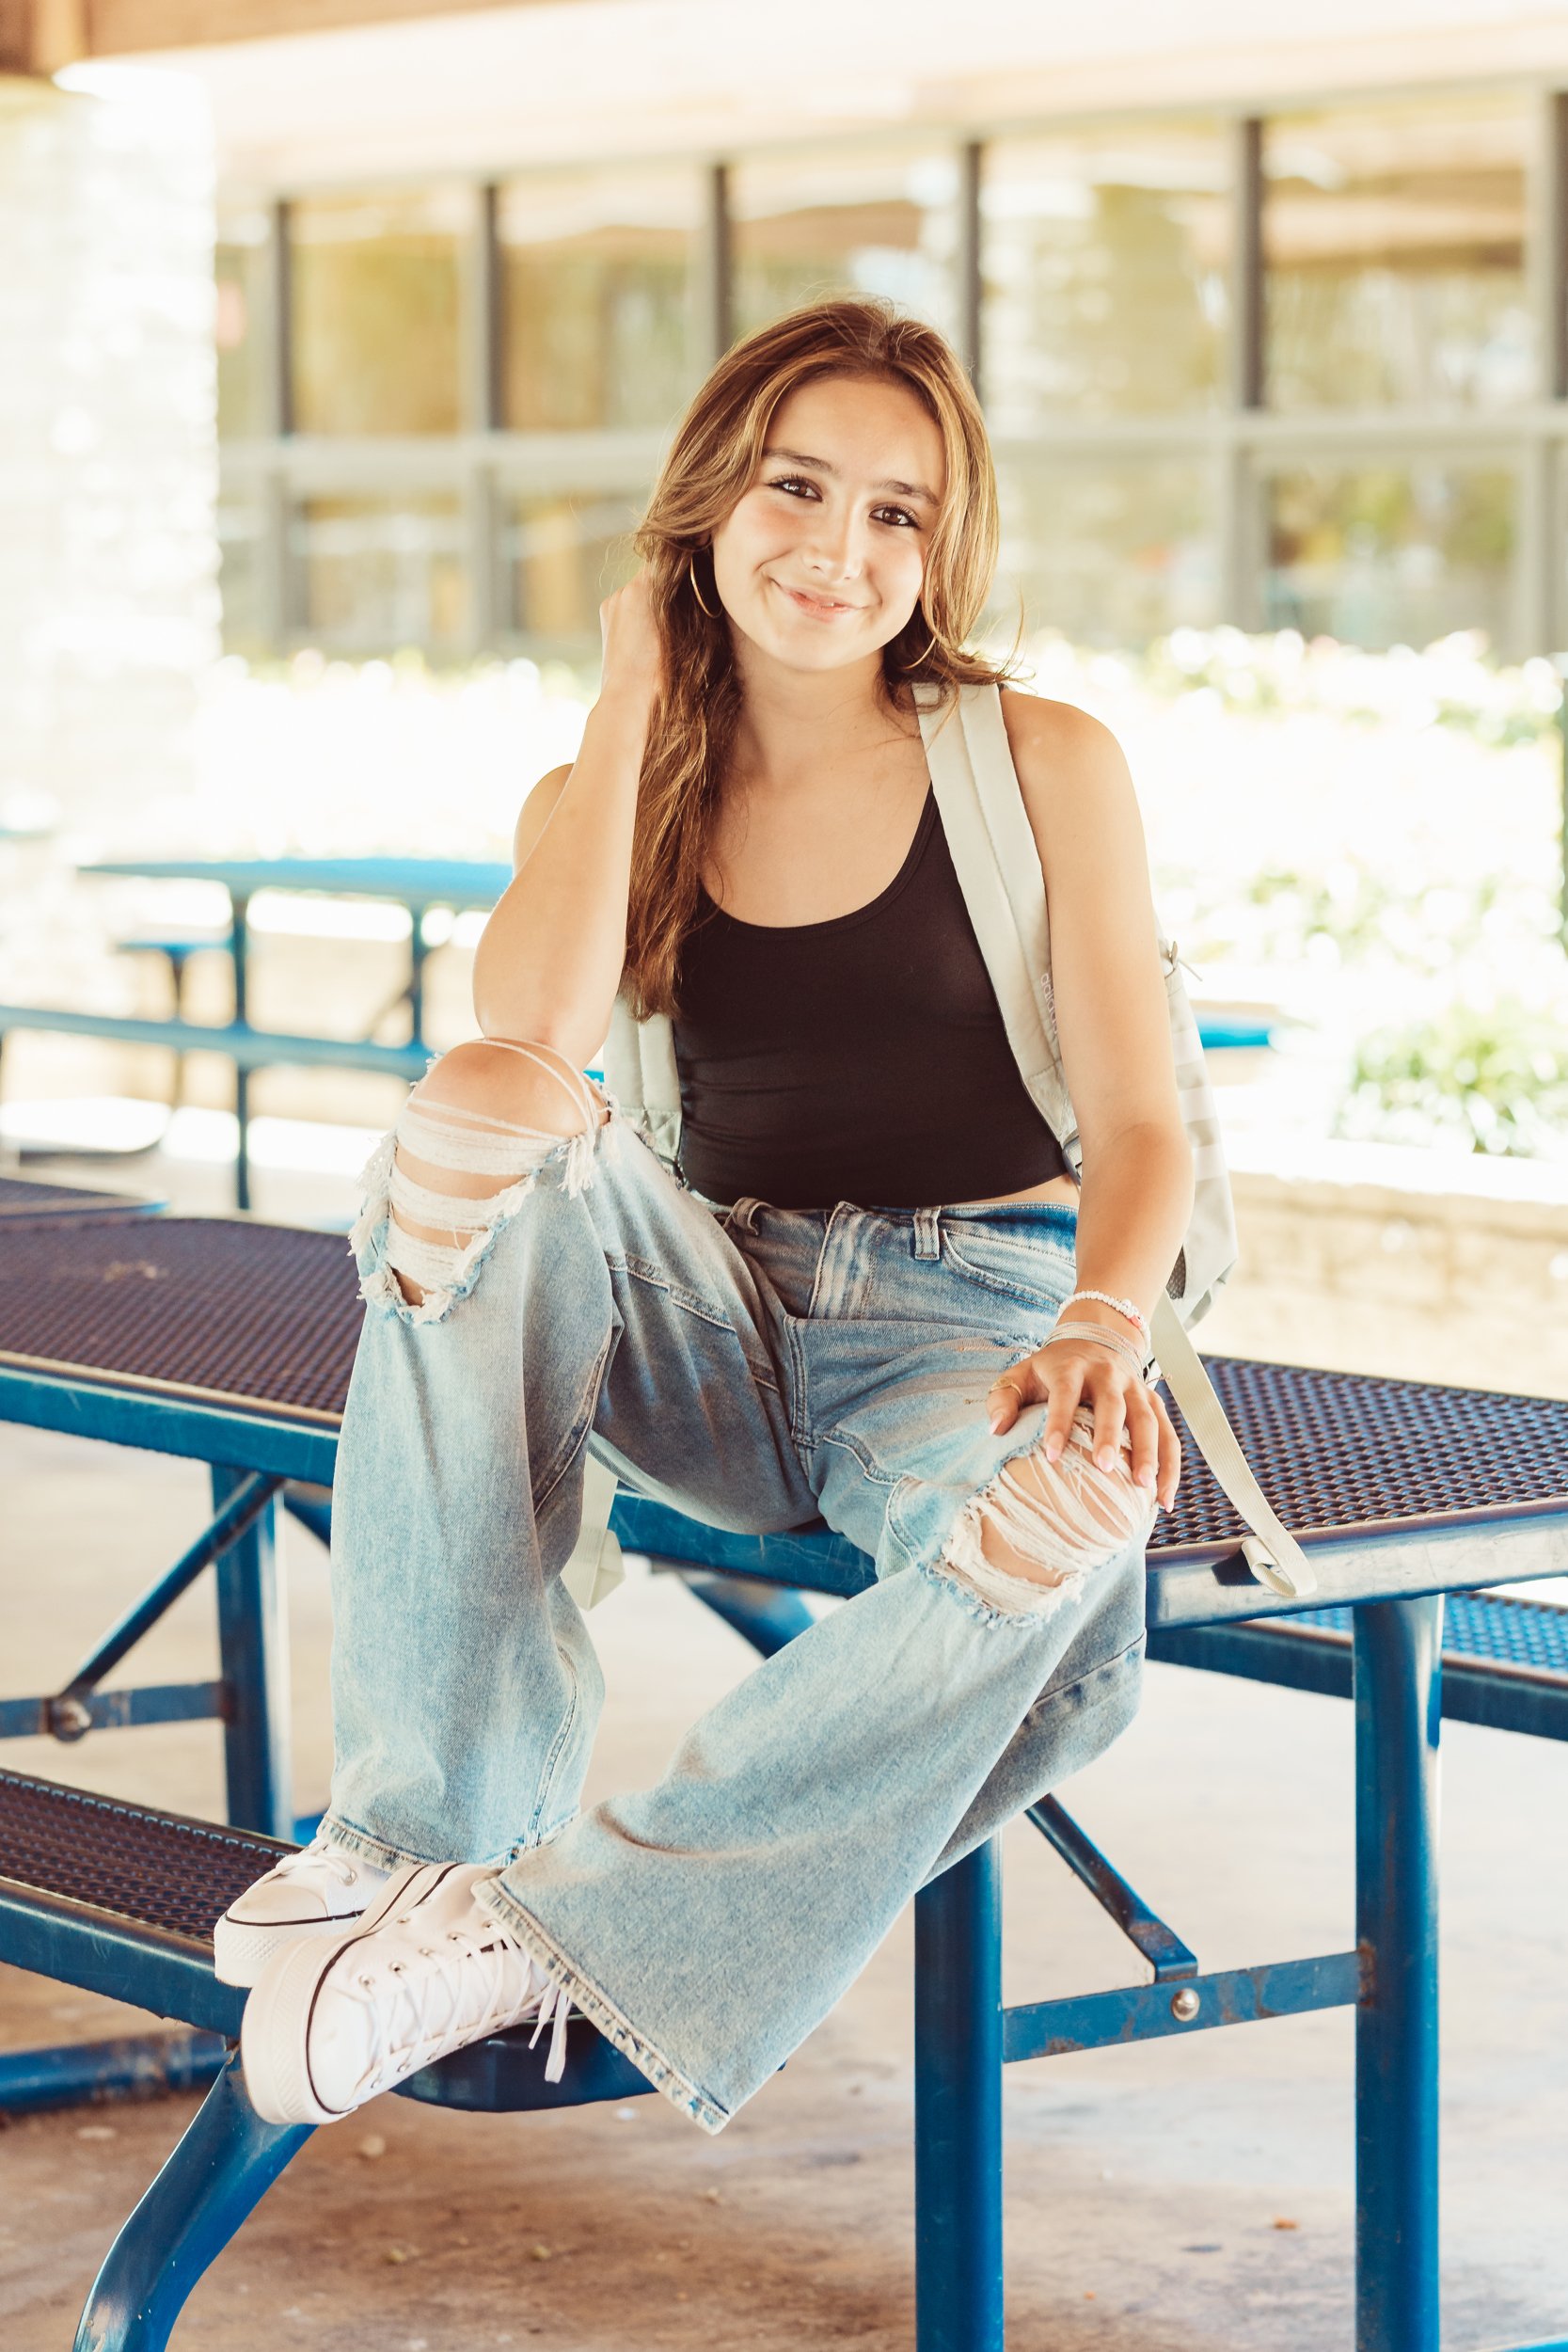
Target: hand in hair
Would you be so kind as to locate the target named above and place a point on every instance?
(550, 960)
(633, 646)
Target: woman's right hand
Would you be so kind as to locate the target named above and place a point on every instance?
(633, 646)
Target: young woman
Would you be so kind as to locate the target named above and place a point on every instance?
(845, 1302)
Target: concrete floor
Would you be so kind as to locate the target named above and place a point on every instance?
(1162, 2198)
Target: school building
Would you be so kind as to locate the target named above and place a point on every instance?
(1267, 310)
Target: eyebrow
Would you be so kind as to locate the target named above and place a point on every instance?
(900, 489)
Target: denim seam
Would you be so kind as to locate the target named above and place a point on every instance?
(799, 1403)
(902, 1534)
(1044, 1301)
(646, 1270)
(351, 1838)
(1091, 1674)
(642, 1270)
(578, 1431)
(955, 1234)
(870, 1467)
(354, 1840)
(601, 2012)
(558, 1745)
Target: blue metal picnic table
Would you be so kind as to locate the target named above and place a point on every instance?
(1402, 1492)
(417, 883)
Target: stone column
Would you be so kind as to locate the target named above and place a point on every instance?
(108, 564)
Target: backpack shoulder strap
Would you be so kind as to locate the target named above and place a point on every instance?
(998, 867)
(997, 862)
(1270, 1550)
(642, 1074)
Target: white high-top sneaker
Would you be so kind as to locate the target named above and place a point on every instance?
(312, 1893)
(331, 2023)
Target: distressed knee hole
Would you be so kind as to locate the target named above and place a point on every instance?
(455, 1168)
(1026, 1541)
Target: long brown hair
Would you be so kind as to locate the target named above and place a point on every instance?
(714, 459)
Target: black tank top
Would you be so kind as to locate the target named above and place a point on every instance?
(861, 1059)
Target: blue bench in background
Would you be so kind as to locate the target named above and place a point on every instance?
(420, 886)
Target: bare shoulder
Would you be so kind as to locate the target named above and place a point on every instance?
(1076, 784)
(536, 812)
(1052, 742)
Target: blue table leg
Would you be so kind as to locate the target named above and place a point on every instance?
(132, 2066)
(253, 1639)
(239, 956)
(218, 2173)
(958, 2107)
(1398, 1704)
(419, 949)
(242, 1146)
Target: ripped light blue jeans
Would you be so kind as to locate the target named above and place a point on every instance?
(758, 1368)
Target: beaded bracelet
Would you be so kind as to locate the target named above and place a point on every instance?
(1126, 1307)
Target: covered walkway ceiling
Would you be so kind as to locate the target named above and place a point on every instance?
(39, 34)
(306, 93)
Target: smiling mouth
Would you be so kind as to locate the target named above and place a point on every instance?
(823, 608)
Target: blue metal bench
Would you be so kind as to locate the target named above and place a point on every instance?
(421, 884)
(174, 950)
(249, 1049)
(1401, 1492)
(1505, 1659)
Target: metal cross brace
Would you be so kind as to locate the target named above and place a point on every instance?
(71, 1713)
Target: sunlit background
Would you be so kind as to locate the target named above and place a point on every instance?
(339, 341)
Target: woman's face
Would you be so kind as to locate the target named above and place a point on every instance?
(821, 562)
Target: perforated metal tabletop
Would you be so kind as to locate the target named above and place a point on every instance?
(246, 1315)
(266, 1318)
(21, 1198)
(157, 1868)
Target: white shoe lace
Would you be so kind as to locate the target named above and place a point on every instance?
(433, 2031)
(555, 2007)
(343, 1866)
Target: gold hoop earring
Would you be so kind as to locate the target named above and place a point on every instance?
(692, 575)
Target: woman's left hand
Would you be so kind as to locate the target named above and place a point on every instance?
(1065, 1374)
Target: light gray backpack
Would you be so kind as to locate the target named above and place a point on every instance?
(999, 871)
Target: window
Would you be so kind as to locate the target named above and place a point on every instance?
(1104, 263)
(859, 222)
(240, 319)
(242, 547)
(596, 300)
(563, 553)
(1111, 552)
(376, 332)
(371, 575)
(1394, 252)
(1391, 554)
